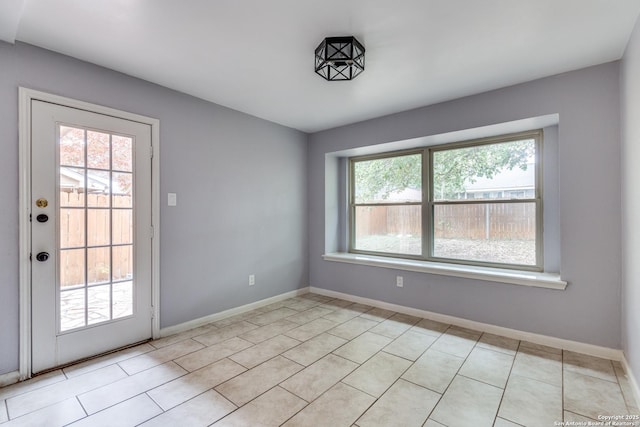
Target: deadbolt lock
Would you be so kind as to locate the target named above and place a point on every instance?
(42, 256)
(42, 203)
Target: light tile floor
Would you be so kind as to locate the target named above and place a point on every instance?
(317, 361)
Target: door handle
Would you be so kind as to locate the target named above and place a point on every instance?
(42, 218)
(42, 256)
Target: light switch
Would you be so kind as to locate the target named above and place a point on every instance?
(172, 199)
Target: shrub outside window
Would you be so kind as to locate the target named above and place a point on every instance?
(474, 202)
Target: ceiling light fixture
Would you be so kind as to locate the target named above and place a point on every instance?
(340, 58)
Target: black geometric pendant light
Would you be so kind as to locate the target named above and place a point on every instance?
(340, 58)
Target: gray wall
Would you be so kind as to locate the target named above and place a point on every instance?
(241, 185)
(588, 164)
(630, 99)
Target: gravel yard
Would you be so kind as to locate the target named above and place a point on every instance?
(503, 251)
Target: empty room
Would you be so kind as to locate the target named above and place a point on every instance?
(301, 213)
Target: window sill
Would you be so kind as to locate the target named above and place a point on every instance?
(514, 277)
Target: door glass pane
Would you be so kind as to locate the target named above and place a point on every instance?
(122, 263)
(98, 231)
(122, 222)
(492, 232)
(392, 229)
(122, 299)
(98, 188)
(122, 153)
(71, 267)
(98, 152)
(72, 187)
(99, 304)
(71, 146)
(122, 190)
(72, 309)
(98, 265)
(71, 228)
(71, 199)
(96, 282)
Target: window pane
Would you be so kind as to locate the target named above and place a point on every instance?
(495, 171)
(394, 229)
(492, 232)
(390, 180)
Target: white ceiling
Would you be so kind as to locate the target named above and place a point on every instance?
(256, 56)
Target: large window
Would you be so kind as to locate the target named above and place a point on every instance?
(473, 202)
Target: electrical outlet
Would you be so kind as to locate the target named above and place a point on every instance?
(252, 279)
(399, 281)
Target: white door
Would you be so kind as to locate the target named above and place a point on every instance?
(90, 234)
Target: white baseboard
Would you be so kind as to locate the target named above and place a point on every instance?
(635, 388)
(171, 330)
(578, 347)
(9, 378)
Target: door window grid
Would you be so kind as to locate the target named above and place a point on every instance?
(99, 293)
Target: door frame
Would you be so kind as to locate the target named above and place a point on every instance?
(25, 96)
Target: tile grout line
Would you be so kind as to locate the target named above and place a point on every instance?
(504, 391)
(77, 396)
(392, 384)
(287, 336)
(118, 403)
(562, 383)
(86, 413)
(454, 375)
(34, 389)
(155, 416)
(188, 400)
(485, 383)
(248, 370)
(263, 393)
(6, 410)
(40, 409)
(615, 371)
(328, 332)
(349, 340)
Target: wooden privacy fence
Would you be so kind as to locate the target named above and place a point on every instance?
(500, 221)
(383, 220)
(102, 263)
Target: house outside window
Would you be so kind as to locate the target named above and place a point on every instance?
(472, 202)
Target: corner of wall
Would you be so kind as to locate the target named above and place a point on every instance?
(630, 206)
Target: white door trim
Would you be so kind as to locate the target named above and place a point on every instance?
(24, 164)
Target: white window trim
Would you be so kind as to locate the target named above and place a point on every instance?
(428, 201)
(500, 275)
